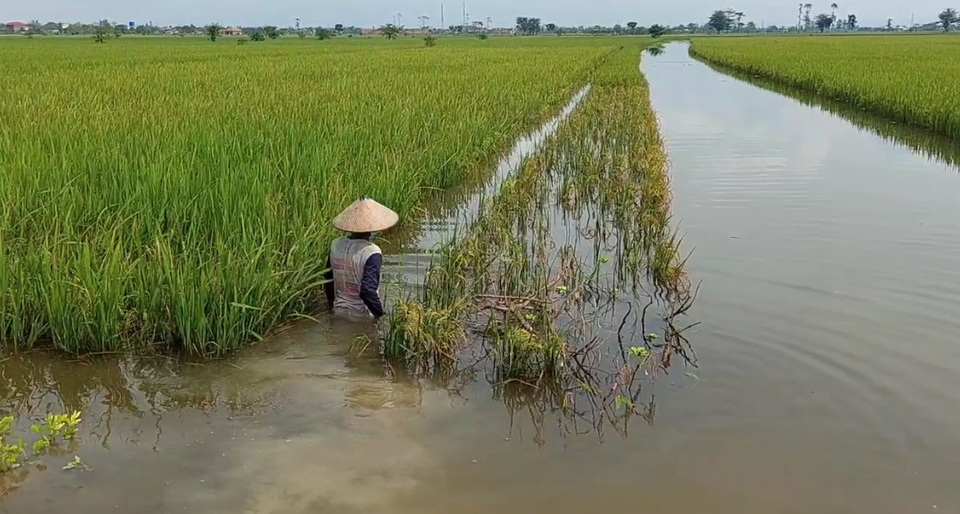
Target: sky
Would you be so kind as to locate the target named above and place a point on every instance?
(367, 13)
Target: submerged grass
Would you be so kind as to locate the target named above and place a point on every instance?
(539, 278)
(908, 80)
(177, 193)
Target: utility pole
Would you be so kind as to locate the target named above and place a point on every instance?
(442, 25)
(464, 14)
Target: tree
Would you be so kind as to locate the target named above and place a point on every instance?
(806, 15)
(948, 17)
(632, 25)
(528, 26)
(257, 36)
(833, 9)
(657, 30)
(390, 31)
(213, 31)
(324, 34)
(271, 32)
(751, 26)
(100, 33)
(551, 27)
(618, 29)
(719, 21)
(852, 21)
(339, 28)
(823, 21)
(739, 15)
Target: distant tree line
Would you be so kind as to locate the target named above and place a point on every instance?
(115, 29)
(729, 20)
(720, 21)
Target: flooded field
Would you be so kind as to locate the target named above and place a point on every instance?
(828, 255)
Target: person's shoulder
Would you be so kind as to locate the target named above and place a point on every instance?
(374, 248)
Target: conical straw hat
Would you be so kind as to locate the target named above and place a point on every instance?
(366, 215)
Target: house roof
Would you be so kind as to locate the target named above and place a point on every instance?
(16, 24)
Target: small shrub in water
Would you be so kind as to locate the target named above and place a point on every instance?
(10, 454)
(416, 330)
(522, 354)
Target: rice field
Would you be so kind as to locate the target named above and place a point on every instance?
(177, 194)
(909, 79)
(544, 273)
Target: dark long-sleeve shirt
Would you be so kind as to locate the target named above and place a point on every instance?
(369, 286)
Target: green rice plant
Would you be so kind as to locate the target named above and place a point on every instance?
(176, 194)
(517, 274)
(417, 332)
(908, 80)
(539, 274)
(527, 356)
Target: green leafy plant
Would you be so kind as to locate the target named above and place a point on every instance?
(41, 445)
(430, 41)
(76, 463)
(11, 455)
(63, 426)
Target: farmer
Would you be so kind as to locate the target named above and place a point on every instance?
(354, 262)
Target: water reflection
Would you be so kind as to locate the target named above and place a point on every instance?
(934, 146)
(830, 259)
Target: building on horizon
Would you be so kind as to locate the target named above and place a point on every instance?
(14, 27)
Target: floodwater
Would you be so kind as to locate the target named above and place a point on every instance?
(829, 257)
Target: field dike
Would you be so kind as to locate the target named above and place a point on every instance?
(567, 285)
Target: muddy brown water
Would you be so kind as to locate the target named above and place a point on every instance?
(830, 267)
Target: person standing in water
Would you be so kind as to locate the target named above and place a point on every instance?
(353, 287)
